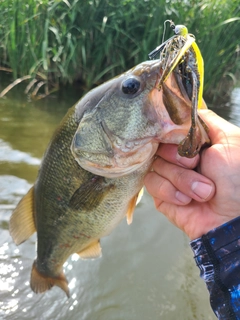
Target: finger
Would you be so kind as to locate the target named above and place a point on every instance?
(162, 189)
(169, 152)
(188, 182)
(220, 130)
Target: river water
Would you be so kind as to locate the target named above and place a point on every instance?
(147, 269)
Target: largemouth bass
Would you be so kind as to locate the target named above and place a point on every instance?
(94, 166)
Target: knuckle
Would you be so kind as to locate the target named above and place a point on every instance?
(180, 175)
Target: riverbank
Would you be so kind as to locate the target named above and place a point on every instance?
(46, 44)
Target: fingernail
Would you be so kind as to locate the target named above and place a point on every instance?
(182, 197)
(187, 162)
(201, 189)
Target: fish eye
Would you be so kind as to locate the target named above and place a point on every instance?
(130, 86)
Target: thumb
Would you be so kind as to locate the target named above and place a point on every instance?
(220, 130)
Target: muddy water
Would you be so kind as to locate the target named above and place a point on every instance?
(146, 271)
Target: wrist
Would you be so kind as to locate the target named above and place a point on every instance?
(212, 224)
(228, 227)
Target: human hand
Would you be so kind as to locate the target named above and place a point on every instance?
(199, 200)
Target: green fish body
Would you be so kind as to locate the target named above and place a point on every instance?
(93, 169)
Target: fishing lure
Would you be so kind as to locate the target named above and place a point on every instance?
(181, 54)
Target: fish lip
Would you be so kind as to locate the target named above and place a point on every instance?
(147, 67)
(118, 168)
(129, 145)
(119, 165)
(113, 171)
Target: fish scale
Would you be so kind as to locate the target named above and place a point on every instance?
(94, 168)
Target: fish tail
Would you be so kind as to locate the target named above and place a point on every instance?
(40, 283)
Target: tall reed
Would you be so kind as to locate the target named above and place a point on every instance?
(60, 41)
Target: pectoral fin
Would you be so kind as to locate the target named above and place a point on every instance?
(91, 252)
(132, 204)
(22, 224)
(90, 194)
(139, 196)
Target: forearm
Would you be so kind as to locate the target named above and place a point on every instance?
(217, 254)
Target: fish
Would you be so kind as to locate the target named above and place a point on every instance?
(93, 170)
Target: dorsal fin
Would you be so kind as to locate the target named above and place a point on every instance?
(22, 225)
(91, 252)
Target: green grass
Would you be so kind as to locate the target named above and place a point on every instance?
(59, 42)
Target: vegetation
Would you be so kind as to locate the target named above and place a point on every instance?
(53, 42)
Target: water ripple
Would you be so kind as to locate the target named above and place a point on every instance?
(7, 154)
(12, 189)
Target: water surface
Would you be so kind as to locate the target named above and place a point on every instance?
(146, 271)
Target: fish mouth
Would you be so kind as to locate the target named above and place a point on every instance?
(113, 146)
(124, 157)
(129, 155)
